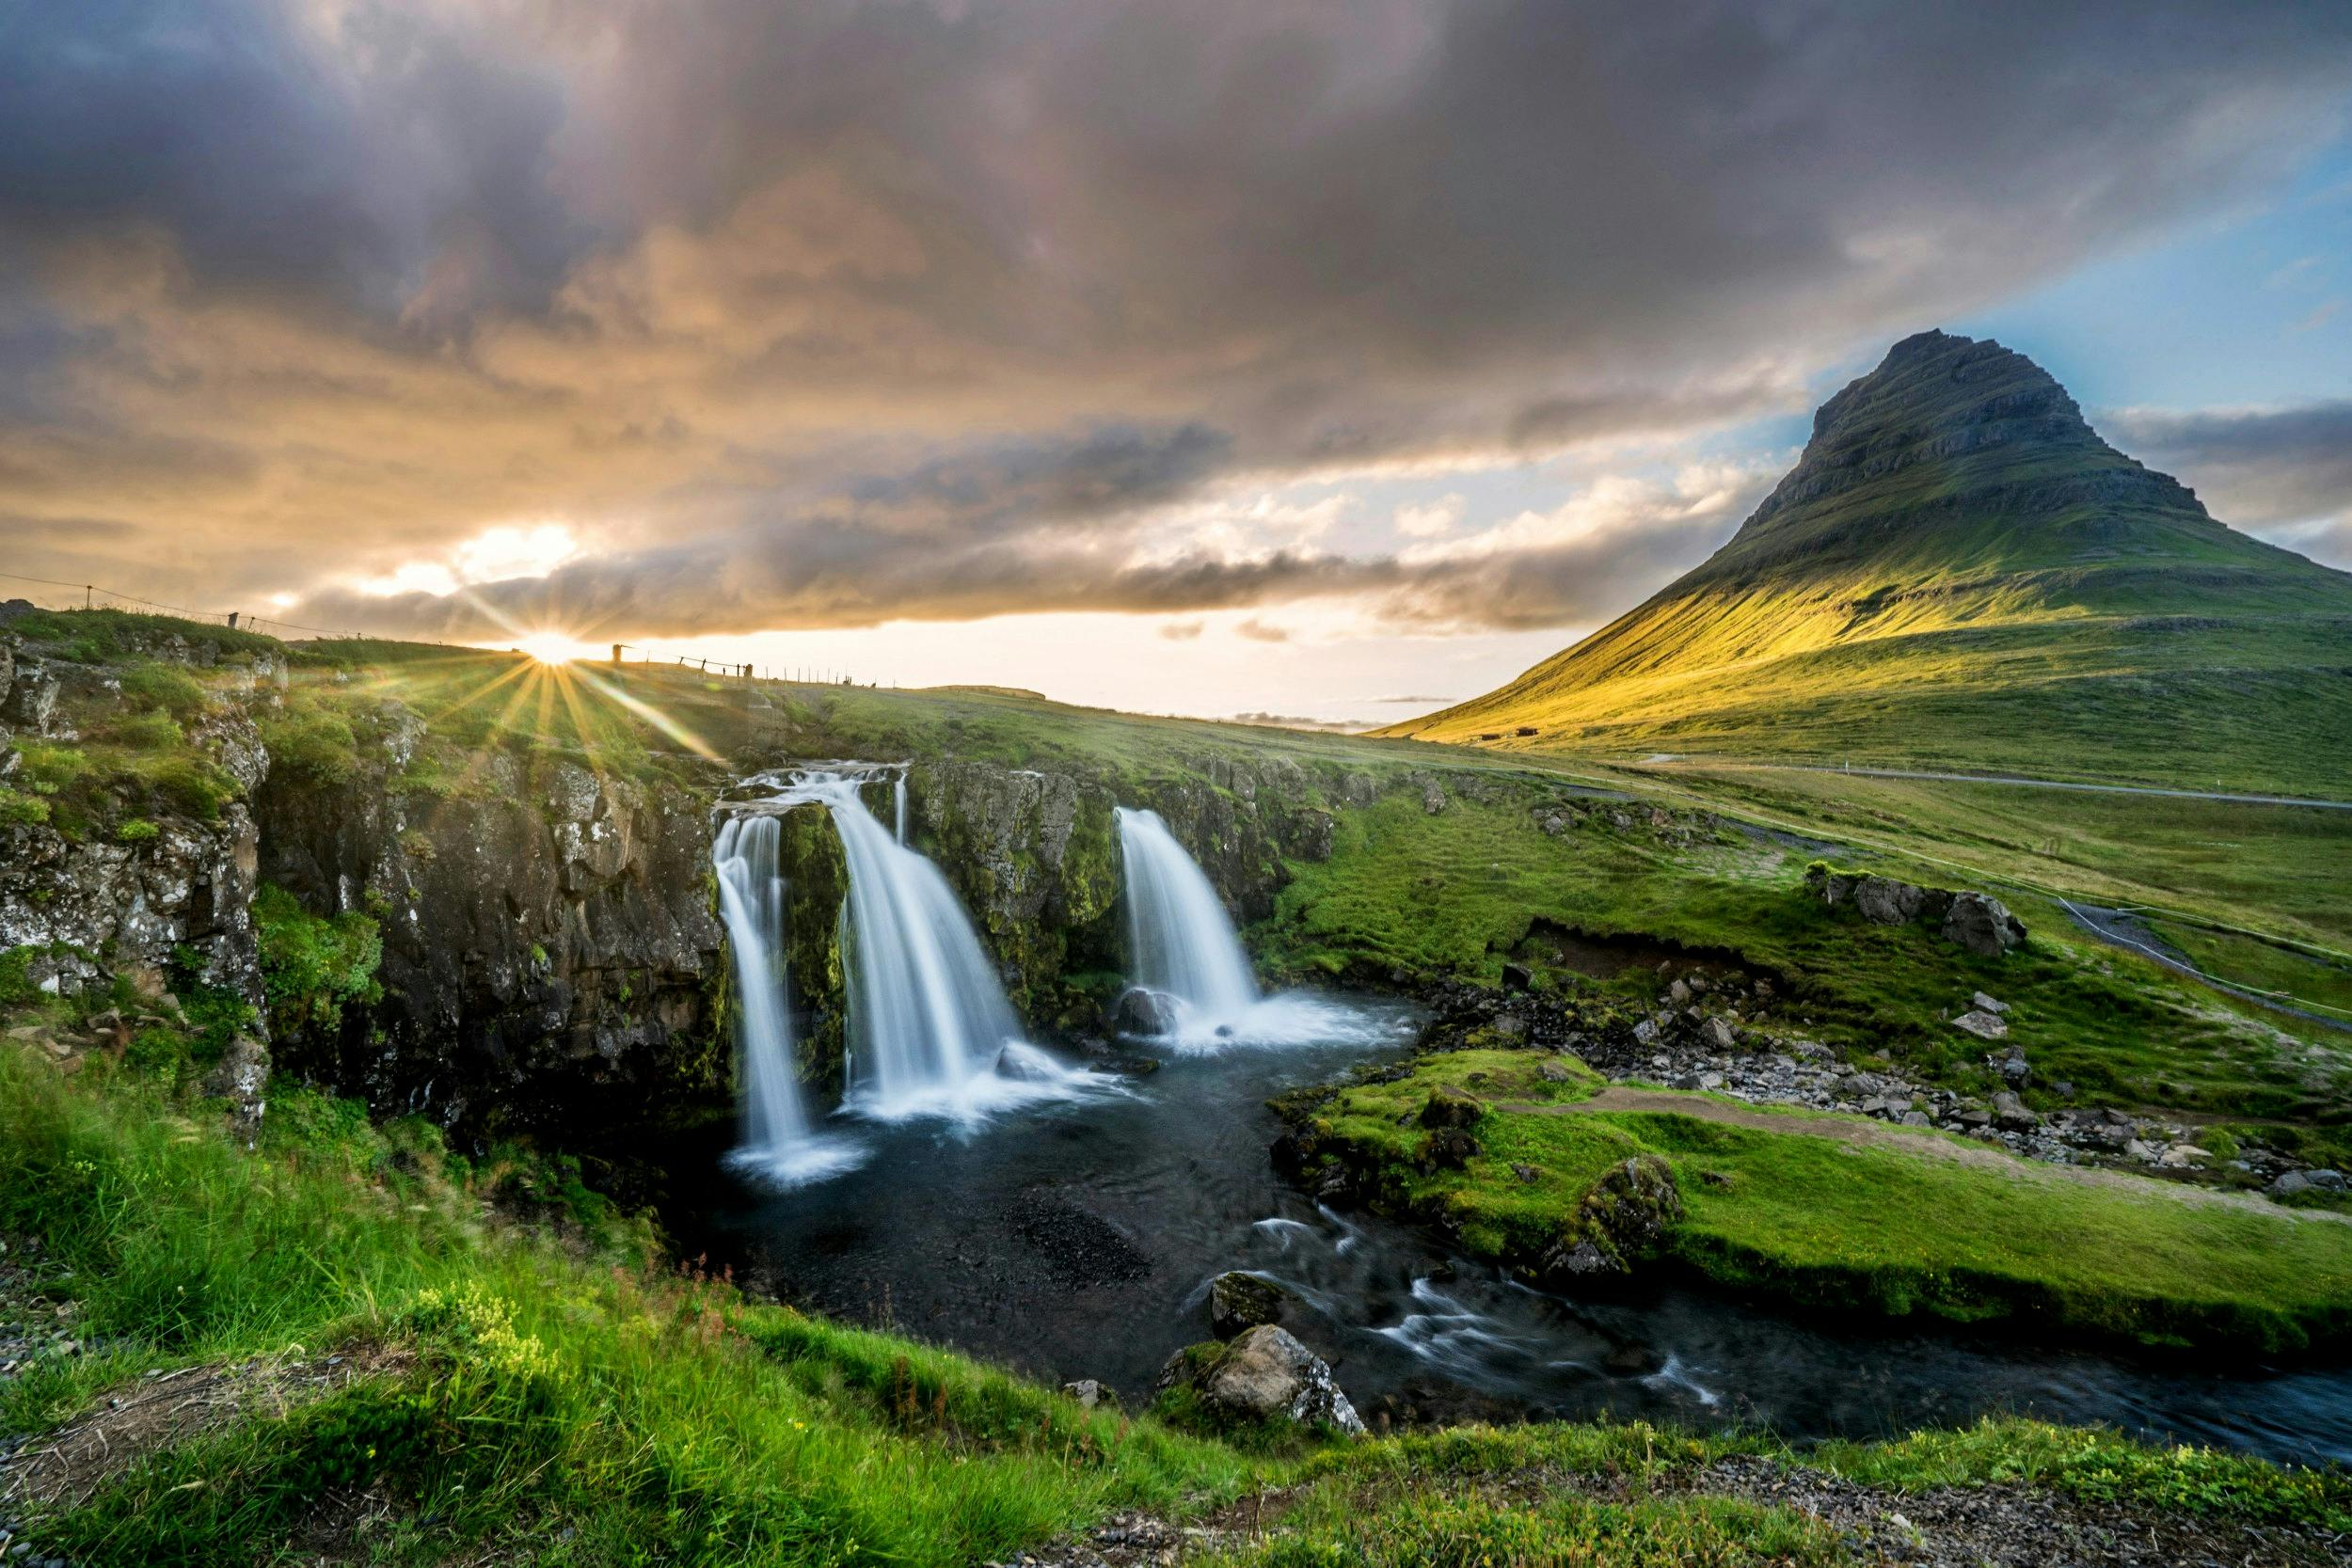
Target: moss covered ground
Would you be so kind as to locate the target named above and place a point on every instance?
(1838, 1212)
(1466, 890)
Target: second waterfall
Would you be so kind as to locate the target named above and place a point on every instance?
(1194, 987)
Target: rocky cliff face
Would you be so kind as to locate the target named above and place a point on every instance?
(549, 940)
(90, 907)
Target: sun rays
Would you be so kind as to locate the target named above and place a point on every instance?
(538, 697)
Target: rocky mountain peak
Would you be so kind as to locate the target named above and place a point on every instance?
(1983, 415)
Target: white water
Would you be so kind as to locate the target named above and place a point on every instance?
(899, 804)
(1182, 945)
(929, 1031)
(779, 1143)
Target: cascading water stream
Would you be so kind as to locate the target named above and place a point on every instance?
(899, 804)
(927, 1015)
(779, 1143)
(930, 1030)
(1186, 954)
(1181, 943)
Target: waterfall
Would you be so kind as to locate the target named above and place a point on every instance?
(930, 1032)
(1182, 941)
(778, 1140)
(1194, 986)
(899, 804)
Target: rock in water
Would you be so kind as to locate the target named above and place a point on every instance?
(1144, 1012)
(1982, 924)
(1269, 1372)
(1239, 1302)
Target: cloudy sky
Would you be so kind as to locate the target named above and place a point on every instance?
(1207, 357)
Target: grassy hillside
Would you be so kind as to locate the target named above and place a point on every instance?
(430, 1356)
(1959, 573)
(332, 1349)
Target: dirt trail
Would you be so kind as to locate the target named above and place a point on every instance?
(160, 1410)
(1906, 1140)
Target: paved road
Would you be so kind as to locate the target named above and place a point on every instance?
(2029, 783)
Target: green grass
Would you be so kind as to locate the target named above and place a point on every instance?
(2268, 868)
(313, 967)
(1621, 1494)
(554, 1387)
(562, 1397)
(1460, 892)
(1817, 1222)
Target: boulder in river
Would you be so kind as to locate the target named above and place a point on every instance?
(1239, 1302)
(1142, 1012)
(1269, 1372)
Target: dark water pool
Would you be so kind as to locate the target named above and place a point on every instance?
(1076, 1240)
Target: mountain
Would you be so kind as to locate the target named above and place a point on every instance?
(1959, 572)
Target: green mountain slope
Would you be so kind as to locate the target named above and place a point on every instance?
(1959, 572)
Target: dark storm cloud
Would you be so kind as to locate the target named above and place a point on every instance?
(407, 166)
(796, 308)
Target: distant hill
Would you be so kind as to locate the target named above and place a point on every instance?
(1959, 572)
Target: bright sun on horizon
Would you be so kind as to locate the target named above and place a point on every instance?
(553, 647)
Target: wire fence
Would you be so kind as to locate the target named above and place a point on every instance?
(94, 597)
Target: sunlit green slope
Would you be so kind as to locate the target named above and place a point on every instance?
(1960, 572)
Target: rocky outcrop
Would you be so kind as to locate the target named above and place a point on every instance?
(550, 950)
(242, 1078)
(1621, 1217)
(1035, 859)
(1975, 921)
(1982, 924)
(1034, 855)
(547, 933)
(1264, 1374)
(97, 901)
